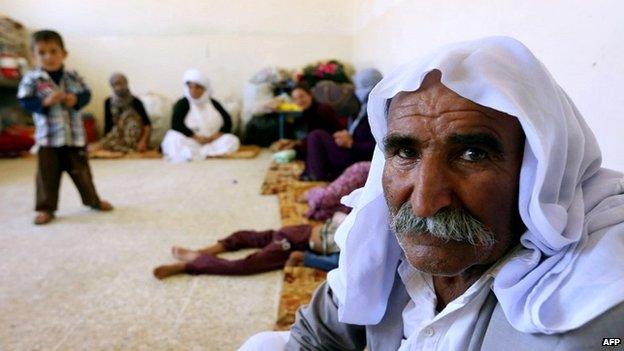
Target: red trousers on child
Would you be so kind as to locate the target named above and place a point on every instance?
(275, 245)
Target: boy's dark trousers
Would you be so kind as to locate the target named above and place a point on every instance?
(52, 161)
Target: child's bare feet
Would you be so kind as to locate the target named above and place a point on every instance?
(162, 272)
(43, 218)
(183, 254)
(104, 206)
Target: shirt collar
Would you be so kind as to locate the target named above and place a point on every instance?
(415, 280)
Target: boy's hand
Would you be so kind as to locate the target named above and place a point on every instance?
(54, 98)
(70, 100)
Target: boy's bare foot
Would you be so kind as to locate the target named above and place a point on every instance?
(162, 272)
(183, 254)
(104, 206)
(43, 218)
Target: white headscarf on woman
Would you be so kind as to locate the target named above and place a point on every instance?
(202, 118)
(570, 267)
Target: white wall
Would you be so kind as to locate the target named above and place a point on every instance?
(581, 42)
(154, 42)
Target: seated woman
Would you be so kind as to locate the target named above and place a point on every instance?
(315, 116)
(200, 126)
(330, 154)
(126, 124)
(276, 250)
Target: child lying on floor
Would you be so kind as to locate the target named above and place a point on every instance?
(305, 244)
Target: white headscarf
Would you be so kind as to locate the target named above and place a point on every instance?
(202, 118)
(571, 265)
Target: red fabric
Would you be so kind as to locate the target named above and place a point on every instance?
(90, 129)
(275, 245)
(13, 142)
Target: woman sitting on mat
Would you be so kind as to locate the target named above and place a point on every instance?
(315, 116)
(200, 126)
(328, 154)
(126, 124)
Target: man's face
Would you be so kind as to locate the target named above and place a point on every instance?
(302, 98)
(445, 152)
(49, 55)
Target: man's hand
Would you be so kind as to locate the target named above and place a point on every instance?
(343, 139)
(54, 98)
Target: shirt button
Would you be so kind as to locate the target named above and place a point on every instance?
(429, 331)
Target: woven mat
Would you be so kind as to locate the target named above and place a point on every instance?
(297, 289)
(111, 155)
(245, 151)
(299, 282)
(280, 175)
(291, 209)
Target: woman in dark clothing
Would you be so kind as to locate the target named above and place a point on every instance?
(126, 124)
(200, 126)
(315, 116)
(328, 155)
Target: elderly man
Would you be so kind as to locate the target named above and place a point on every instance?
(486, 221)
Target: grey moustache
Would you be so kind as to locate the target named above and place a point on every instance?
(448, 224)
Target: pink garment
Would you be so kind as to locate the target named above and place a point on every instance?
(323, 202)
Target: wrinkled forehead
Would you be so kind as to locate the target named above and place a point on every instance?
(434, 99)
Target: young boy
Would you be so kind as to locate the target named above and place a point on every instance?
(54, 96)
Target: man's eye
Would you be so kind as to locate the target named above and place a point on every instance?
(406, 153)
(473, 155)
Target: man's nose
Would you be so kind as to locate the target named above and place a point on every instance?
(432, 187)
